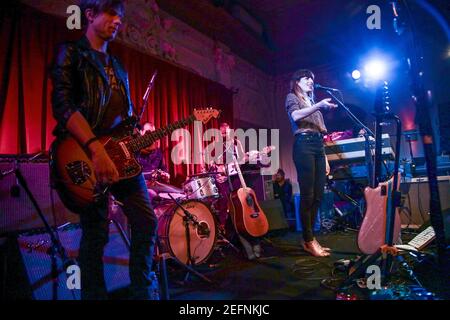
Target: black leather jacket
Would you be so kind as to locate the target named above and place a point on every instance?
(81, 84)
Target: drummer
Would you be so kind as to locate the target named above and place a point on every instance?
(218, 165)
(152, 161)
(251, 245)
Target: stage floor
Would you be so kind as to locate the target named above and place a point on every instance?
(285, 272)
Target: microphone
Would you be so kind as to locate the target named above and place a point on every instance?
(318, 86)
(203, 230)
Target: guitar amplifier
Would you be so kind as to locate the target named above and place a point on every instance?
(29, 264)
(275, 214)
(416, 197)
(17, 210)
(261, 184)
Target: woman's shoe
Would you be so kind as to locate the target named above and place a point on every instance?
(323, 248)
(314, 249)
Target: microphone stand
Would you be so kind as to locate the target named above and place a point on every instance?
(145, 98)
(189, 218)
(352, 116)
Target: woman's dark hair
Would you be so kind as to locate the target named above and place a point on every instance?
(298, 75)
(99, 6)
(281, 172)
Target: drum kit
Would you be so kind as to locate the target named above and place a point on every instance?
(187, 221)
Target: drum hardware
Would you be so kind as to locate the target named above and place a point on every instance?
(221, 233)
(227, 242)
(203, 230)
(204, 174)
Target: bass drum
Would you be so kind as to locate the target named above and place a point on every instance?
(172, 231)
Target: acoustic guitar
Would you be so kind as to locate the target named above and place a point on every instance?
(248, 217)
(73, 171)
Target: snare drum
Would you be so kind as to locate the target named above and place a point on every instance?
(172, 231)
(201, 188)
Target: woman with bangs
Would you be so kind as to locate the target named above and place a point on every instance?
(308, 152)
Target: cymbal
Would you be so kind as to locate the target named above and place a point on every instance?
(159, 187)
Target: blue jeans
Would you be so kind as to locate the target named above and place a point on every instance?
(95, 226)
(309, 159)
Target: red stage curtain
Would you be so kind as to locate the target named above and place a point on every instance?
(27, 41)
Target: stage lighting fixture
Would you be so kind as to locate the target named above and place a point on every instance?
(356, 74)
(375, 69)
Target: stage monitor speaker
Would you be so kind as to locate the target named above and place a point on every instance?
(29, 273)
(416, 197)
(275, 214)
(17, 210)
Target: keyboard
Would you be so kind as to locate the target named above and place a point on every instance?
(420, 241)
(353, 150)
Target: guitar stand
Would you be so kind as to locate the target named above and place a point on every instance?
(221, 235)
(228, 243)
(387, 251)
(387, 254)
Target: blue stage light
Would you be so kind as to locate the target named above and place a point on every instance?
(375, 69)
(356, 74)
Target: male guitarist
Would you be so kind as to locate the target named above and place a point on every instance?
(91, 97)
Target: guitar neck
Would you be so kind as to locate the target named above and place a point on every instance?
(239, 172)
(149, 138)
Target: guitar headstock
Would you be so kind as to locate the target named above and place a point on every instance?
(204, 115)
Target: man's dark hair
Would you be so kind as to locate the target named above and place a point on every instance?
(281, 172)
(99, 6)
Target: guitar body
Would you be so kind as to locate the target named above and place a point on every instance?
(372, 233)
(248, 217)
(73, 171)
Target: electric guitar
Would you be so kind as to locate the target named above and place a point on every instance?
(374, 228)
(73, 172)
(248, 217)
